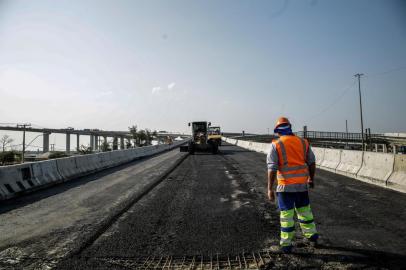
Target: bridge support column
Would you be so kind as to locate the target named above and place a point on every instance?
(129, 144)
(394, 149)
(45, 143)
(121, 143)
(96, 142)
(67, 142)
(384, 148)
(115, 143)
(376, 147)
(77, 142)
(92, 142)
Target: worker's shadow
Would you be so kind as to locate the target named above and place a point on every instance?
(350, 257)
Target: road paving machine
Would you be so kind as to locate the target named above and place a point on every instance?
(215, 134)
(200, 139)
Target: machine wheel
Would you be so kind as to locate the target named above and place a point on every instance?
(191, 148)
(214, 148)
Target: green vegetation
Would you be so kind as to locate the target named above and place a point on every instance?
(84, 150)
(58, 154)
(4, 141)
(142, 137)
(105, 147)
(9, 157)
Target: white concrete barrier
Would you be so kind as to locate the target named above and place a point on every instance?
(45, 172)
(15, 179)
(231, 141)
(148, 150)
(116, 157)
(243, 144)
(67, 168)
(350, 162)
(135, 153)
(331, 159)
(105, 160)
(376, 167)
(127, 155)
(265, 148)
(87, 164)
(319, 153)
(383, 169)
(397, 180)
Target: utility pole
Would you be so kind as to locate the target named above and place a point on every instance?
(346, 131)
(358, 75)
(24, 126)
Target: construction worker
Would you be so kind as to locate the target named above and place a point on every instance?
(292, 162)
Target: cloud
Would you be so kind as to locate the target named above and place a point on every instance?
(171, 85)
(105, 93)
(156, 90)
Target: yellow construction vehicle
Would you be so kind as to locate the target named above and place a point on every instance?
(200, 140)
(215, 135)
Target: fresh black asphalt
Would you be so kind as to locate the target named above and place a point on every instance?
(216, 204)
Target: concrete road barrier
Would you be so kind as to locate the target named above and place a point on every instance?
(87, 164)
(116, 157)
(376, 167)
(16, 179)
(67, 168)
(265, 148)
(319, 154)
(331, 159)
(397, 180)
(243, 144)
(350, 162)
(382, 169)
(45, 172)
(105, 160)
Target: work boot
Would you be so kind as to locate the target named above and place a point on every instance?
(286, 249)
(313, 240)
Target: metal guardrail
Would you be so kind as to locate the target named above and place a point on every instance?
(333, 135)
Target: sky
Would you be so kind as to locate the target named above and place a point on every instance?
(239, 64)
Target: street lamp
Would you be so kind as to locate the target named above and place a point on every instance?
(24, 126)
(358, 75)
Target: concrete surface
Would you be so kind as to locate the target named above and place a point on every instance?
(397, 180)
(48, 224)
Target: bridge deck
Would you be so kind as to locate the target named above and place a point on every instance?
(210, 211)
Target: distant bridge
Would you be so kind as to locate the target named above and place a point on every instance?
(379, 142)
(119, 137)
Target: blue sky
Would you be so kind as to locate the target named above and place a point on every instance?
(239, 64)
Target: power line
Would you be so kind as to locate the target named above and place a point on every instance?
(334, 102)
(386, 72)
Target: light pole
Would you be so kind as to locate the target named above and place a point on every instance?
(346, 132)
(24, 126)
(358, 75)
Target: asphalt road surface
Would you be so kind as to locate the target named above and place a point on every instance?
(211, 211)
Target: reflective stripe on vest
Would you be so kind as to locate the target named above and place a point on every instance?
(292, 161)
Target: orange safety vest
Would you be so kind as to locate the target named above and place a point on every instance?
(292, 155)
